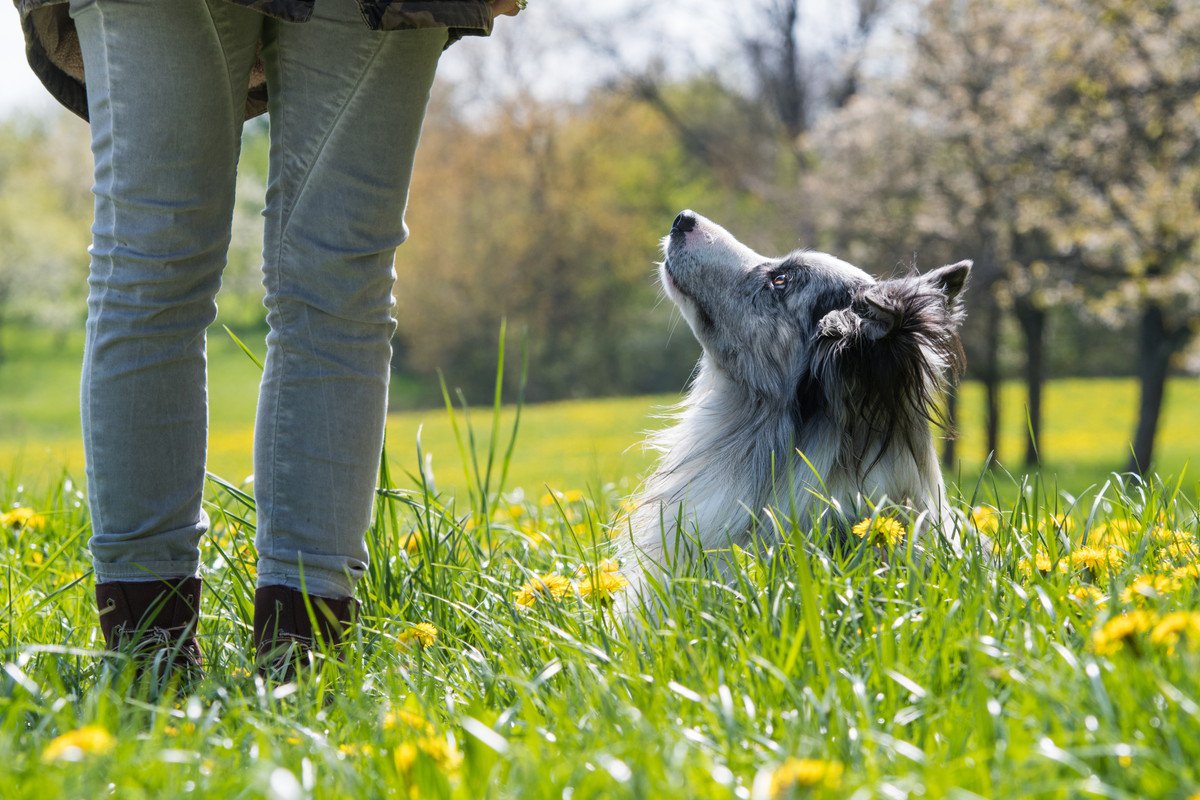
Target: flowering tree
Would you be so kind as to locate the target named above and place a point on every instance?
(1125, 147)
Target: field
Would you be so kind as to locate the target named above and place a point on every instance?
(1058, 658)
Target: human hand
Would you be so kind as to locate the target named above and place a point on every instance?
(507, 8)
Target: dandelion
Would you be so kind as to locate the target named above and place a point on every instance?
(441, 752)
(1097, 559)
(412, 542)
(1114, 533)
(805, 773)
(423, 633)
(1149, 587)
(1042, 563)
(600, 585)
(90, 740)
(21, 518)
(545, 587)
(1121, 632)
(407, 718)
(516, 511)
(1085, 594)
(1189, 573)
(1175, 626)
(354, 749)
(985, 519)
(880, 531)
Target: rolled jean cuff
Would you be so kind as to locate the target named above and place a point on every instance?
(145, 571)
(316, 582)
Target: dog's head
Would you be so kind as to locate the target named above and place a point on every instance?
(808, 331)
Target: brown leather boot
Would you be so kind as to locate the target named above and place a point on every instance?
(155, 622)
(285, 633)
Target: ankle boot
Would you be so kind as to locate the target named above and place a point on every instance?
(154, 621)
(285, 633)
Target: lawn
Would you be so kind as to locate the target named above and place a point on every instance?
(569, 445)
(1058, 658)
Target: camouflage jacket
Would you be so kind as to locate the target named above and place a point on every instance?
(52, 46)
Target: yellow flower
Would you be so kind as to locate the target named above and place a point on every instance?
(1097, 559)
(423, 633)
(516, 511)
(352, 749)
(1186, 573)
(600, 585)
(22, 517)
(1175, 626)
(407, 718)
(881, 530)
(1115, 533)
(1120, 632)
(1042, 563)
(1086, 594)
(90, 740)
(805, 773)
(551, 586)
(1149, 587)
(985, 519)
(438, 750)
(412, 542)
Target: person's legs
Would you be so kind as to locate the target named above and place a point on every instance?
(346, 106)
(166, 92)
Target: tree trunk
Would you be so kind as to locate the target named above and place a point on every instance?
(1156, 345)
(989, 374)
(950, 443)
(1033, 328)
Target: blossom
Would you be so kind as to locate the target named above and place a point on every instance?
(880, 530)
(437, 749)
(423, 633)
(550, 586)
(805, 773)
(1146, 587)
(1086, 594)
(985, 519)
(601, 583)
(90, 740)
(1097, 559)
(22, 517)
(412, 542)
(1122, 631)
(1175, 626)
(1042, 563)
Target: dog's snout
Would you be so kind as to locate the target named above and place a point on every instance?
(685, 222)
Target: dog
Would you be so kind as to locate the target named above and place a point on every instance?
(815, 395)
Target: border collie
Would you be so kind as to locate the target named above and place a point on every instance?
(815, 395)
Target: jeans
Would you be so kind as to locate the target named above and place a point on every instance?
(166, 93)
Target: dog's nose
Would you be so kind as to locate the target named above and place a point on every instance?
(686, 221)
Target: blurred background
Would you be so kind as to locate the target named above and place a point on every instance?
(1056, 143)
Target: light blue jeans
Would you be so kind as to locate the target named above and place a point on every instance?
(166, 86)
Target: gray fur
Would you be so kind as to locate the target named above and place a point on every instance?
(818, 390)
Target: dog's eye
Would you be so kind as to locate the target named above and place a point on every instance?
(780, 281)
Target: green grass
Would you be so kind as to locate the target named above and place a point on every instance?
(869, 671)
(898, 673)
(567, 445)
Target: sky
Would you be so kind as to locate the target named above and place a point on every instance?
(562, 65)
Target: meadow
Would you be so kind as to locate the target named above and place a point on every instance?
(1057, 655)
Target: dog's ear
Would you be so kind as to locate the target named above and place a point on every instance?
(950, 279)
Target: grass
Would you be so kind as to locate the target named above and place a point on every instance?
(1059, 657)
(585, 443)
(1026, 666)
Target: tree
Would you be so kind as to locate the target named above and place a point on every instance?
(1126, 147)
